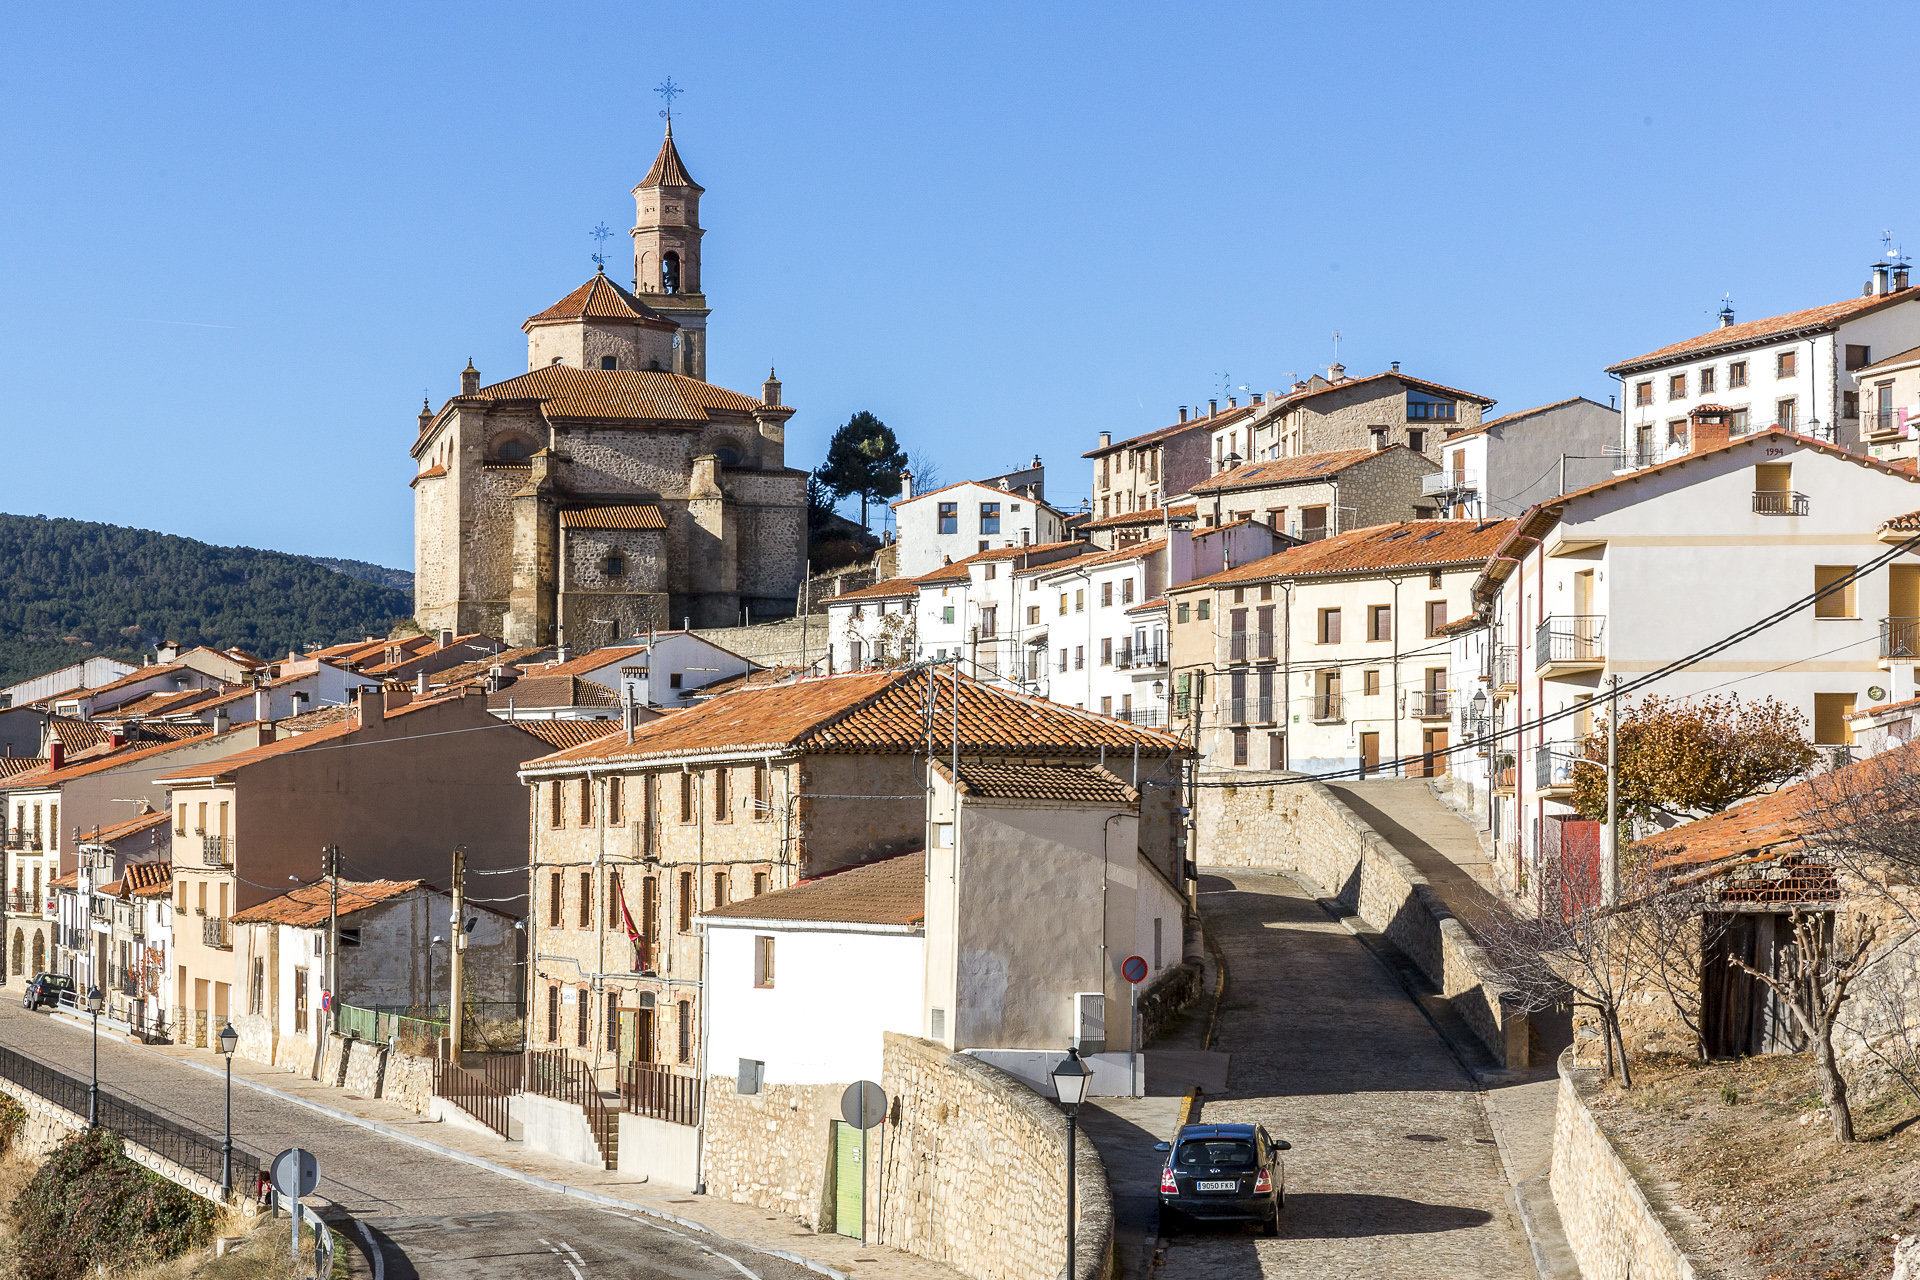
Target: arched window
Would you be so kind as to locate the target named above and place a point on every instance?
(670, 273)
(512, 449)
(19, 951)
(728, 457)
(39, 951)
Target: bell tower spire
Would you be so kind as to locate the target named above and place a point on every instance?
(666, 248)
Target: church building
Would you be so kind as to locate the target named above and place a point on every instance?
(610, 488)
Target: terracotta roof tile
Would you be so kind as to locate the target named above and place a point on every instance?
(890, 589)
(1508, 419)
(1433, 388)
(1162, 434)
(225, 765)
(1406, 544)
(145, 879)
(548, 691)
(652, 395)
(592, 660)
(1145, 606)
(668, 169)
(1898, 359)
(71, 880)
(10, 765)
(958, 484)
(1148, 515)
(776, 674)
(1067, 784)
(889, 891)
(561, 734)
(131, 827)
(601, 299)
(36, 778)
(1813, 319)
(309, 904)
(1119, 555)
(877, 712)
(1299, 469)
(430, 473)
(1908, 523)
(642, 515)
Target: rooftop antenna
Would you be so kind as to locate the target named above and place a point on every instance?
(1886, 243)
(668, 91)
(1337, 335)
(600, 235)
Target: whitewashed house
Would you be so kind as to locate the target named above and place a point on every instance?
(1505, 465)
(960, 520)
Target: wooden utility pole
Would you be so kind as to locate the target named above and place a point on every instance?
(456, 984)
(330, 855)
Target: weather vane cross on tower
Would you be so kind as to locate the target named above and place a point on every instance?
(668, 91)
(600, 234)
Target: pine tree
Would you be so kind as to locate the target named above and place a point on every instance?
(865, 458)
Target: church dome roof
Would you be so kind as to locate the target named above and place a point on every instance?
(601, 299)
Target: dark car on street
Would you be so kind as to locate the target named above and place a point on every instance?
(1223, 1172)
(45, 990)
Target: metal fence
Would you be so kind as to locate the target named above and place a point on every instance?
(484, 1090)
(551, 1073)
(199, 1153)
(493, 1026)
(649, 1089)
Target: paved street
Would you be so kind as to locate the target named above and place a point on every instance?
(439, 1219)
(1394, 1174)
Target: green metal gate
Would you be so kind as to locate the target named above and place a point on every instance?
(846, 1179)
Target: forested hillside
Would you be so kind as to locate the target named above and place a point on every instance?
(71, 588)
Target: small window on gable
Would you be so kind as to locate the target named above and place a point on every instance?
(615, 564)
(609, 362)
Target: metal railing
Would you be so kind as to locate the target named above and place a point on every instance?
(1875, 422)
(1146, 717)
(1430, 704)
(1329, 708)
(1448, 482)
(551, 1073)
(217, 931)
(651, 1089)
(1146, 655)
(197, 1152)
(16, 836)
(216, 851)
(1570, 637)
(1554, 764)
(1779, 502)
(1506, 665)
(19, 901)
(100, 908)
(1245, 645)
(486, 1093)
(1900, 638)
(1246, 710)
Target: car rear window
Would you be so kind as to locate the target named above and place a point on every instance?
(1215, 1153)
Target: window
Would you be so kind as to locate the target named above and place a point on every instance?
(1380, 622)
(614, 815)
(609, 362)
(299, 1000)
(554, 894)
(1328, 630)
(556, 818)
(1830, 714)
(762, 801)
(553, 1014)
(684, 907)
(1739, 422)
(1786, 413)
(1063, 604)
(720, 888)
(1106, 652)
(989, 517)
(586, 899)
(673, 680)
(613, 1022)
(670, 273)
(762, 961)
(1204, 610)
(1706, 381)
(988, 572)
(1126, 591)
(1433, 580)
(1377, 438)
(683, 1018)
(1436, 616)
(1079, 657)
(1033, 615)
(949, 517)
(1840, 604)
(1643, 392)
(257, 989)
(1063, 657)
(1416, 439)
(615, 565)
(989, 622)
(1239, 746)
(1370, 681)
(581, 1005)
(1786, 364)
(1106, 595)
(1677, 387)
(1106, 706)
(199, 829)
(1736, 374)
(1079, 599)
(753, 1074)
(722, 800)
(1180, 612)
(586, 802)
(759, 883)
(179, 823)
(686, 797)
(613, 900)
(1849, 404)
(1858, 356)
(650, 910)
(946, 613)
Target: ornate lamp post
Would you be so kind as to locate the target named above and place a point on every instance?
(96, 1001)
(1070, 1080)
(229, 1041)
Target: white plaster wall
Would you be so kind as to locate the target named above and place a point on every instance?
(834, 994)
(660, 1150)
(923, 548)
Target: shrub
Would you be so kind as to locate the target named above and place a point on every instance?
(12, 1117)
(91, 1207)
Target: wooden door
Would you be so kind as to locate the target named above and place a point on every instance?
(1433, 742)
(1369, 754)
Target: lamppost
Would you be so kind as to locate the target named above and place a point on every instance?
(1070, 1080)
(229, 1041)
(95, 1002)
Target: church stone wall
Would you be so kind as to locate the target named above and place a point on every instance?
(636, 461)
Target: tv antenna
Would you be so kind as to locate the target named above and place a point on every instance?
(600, 234)
(668, 91)
(1337, 335)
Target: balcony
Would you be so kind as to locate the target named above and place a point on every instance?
(1244, 646)
(1900, 639)
(20, 902)
(1570, 643)
(1505, 776)
(1449, 482)
(1146, 717)
(1329, 708)
(216, 851)
(1506, 666)
(1880, 423)
(1246, 710)
(1779, 502)
(1430, 704)
(1553, 766)
(16, 837)
(100, 908)
(1153, 655)
(217, 931)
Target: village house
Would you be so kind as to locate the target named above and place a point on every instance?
(1338, 413)
(955, 521)
(1503, 466)
(1889, 391)
(1309, 496)
(1328, 656)
(977, 608)
(1137, 474)
(665, 669)
(1624, 576)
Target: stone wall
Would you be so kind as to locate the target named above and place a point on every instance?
(409, 1082)
(773, 1148)
(333, 1063)
(366, 1068)
(974, 1171)
(1616, 1230)
(1304, 827)
(1167, 997)
(47, 1126)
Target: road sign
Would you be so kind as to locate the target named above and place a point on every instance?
(1134, 969)
(864, 1104)
(326, 1002)
(295, 1173)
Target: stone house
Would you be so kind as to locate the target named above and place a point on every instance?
(634, 838)
(1335, 412)
(395, 953)
(1331, 655)
(1110, 533)
(1139, 473)
(610, 481)
(1309, 496)
(957, 520)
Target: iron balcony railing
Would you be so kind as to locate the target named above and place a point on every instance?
(1473, 728)
(1900, 638)
(1145, 655)
(1506, 665)
(1554, 764)
(1246, 710)
(1570, 637)
(1329, 708)
(1243, 646)
(1876, 422)
(20, 902)
(216, 851)
(1779, 502)
(217, 931)
(100, 908)
(1449, 482)
(1430, 704)
(1146, 717)
(16, 837)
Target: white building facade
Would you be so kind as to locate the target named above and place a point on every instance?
(960, 520)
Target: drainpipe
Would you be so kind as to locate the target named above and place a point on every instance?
(1399, 764)
(700, 1130)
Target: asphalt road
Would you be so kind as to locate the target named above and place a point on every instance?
(435, 1218)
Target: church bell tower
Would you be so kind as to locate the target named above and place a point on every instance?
(666, 254)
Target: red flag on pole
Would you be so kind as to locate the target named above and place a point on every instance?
(633, 934)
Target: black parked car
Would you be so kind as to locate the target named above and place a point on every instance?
(46, 989)
(1224, 1172)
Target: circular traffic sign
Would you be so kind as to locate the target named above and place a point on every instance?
(864, 1104)
(295, 1173)
(1134, 969)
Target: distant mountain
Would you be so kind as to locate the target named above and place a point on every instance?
(70, 589)
(398, 579)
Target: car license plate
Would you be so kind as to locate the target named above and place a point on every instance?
(1216, 1186)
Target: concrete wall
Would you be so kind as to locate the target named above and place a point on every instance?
(557, 1129)
(660, 1150)
(1303, 827)
(973, 1171)
(1616, 1230)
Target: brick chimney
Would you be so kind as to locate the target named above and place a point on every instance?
(56, 753)
(117, 737)
(1709, 427)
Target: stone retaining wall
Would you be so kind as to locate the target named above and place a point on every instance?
(1167, 997)
(409, 1082)
(1616, 1230)
(974, 1171)
(1304, 827)
(366, 1068)
(333, 1060)
(47, 1126)
(773, 1148)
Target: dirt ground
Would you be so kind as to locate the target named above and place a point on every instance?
(1747, 1147)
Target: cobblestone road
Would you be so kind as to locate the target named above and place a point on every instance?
(1393, 1174)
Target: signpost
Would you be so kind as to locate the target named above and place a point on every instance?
(295, 1174)
(863, 1106)
(1134, 970)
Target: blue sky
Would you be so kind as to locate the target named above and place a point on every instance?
(238, 244)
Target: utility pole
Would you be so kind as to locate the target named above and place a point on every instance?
(1610, 850)
(456, 982)
(331, 858)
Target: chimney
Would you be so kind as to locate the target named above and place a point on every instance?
(770, 390)
(1899, 276)
(369, 704)
(1879, 278)
(906, 484)
(1396, 366)
(1233, 402)
(1183, 413)
(420, 684)
(1336, 372)
(56, 753)
(262, 706)
(446, 638)
(1106, 437)
(1726, 316)
(426, 414)
(166, 652)
(1710, 428)
(496, 676)
(221, 721)
(117, 737)
(1258, 398)
(469, 380)
(1213, 407)
(1300, 384)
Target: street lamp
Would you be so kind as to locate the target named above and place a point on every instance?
(1070, 1080)
(96, 1001)
(229, 1041)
